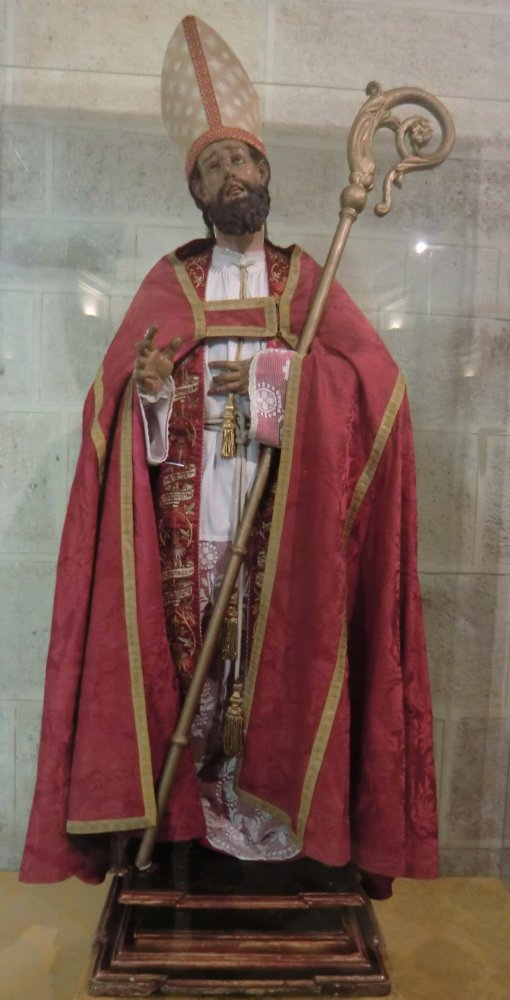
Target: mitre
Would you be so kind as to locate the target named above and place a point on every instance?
(206, 93)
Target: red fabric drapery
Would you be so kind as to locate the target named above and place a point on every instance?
(339, 736)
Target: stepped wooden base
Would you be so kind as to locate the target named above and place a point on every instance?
(205, 925)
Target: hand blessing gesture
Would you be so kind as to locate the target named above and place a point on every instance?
(152, 365)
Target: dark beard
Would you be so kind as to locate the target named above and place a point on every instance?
(242, 215)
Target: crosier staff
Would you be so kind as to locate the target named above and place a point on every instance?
(412, 134)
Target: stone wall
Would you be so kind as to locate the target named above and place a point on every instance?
(92, 194)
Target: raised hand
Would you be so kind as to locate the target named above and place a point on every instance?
(153, 365)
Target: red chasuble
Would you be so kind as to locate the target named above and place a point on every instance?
(338, 738)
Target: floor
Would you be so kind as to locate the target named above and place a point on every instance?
(446, 940)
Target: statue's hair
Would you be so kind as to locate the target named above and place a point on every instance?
(256, 156)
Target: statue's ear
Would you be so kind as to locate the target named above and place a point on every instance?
(263, 171)
(198, 188)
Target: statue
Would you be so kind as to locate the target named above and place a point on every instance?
(312, 734)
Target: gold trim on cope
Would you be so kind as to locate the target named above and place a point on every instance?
(96, 431)
(276, 322)
(133, 641)
(280, 502)
(107, 825)
(380, 440)
(197, 306)
(288, 295)
(268, 331)
(336, 686)
(130, 605)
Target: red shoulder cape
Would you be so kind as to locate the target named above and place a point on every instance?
(339, 735)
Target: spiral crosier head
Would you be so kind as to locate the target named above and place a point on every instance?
(412, 135)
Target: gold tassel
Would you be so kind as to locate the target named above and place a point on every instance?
(233, 727)
(228, 431)
(228, 647)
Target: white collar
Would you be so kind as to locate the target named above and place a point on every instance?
(225, 257)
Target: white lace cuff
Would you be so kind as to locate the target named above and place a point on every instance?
(269, 371)
(156, 409)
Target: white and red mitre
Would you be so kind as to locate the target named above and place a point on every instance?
(206, 93)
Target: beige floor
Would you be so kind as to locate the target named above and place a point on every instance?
(446, 940)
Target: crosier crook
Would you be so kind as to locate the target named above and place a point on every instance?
(414, 132)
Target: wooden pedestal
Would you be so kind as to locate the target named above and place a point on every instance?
(200, 924)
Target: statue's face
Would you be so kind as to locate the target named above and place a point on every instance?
(223, 167)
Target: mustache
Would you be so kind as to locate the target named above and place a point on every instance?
(244, 185)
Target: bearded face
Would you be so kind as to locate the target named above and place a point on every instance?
(229, 183)
(244, 210)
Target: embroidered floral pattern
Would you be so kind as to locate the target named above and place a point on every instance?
(177, 511)
(197, 268)
(268, 388)
(269, 400)
(278, 265)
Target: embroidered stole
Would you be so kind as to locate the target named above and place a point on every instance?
(178, 488)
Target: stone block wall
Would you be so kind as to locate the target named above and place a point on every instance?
(91, 194)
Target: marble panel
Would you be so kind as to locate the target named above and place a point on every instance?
(119, 305)
(121, 93)
(505, 866)
(75, 436)
(75, 330)
(480, 127)
(153, 242)
(10, 855)
(60, 254)
(324, 115)
(438, 740)
(371, 271)
(446, 468)
(22, 166)
(457, 369)
(119, 172)
(466, 68)
(469, 861)
(462, 281)
(17, 338)
(4, 92)
(476, 799)
(459, 203)
(467, 623)
(6, 769)
(494, 503)
(506, 825)
(28, 722)
(316, 115)
(469, 6)
(3, 33)
(128, 37)
(304, 189)
(27, 589)
(33, 455)
(504, 281)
